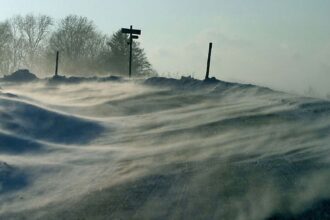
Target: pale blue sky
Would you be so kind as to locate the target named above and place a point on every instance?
(284, 44)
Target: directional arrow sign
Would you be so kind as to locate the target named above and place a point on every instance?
(130, 31)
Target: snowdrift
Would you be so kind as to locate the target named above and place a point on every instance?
(22, 75)
(91, 148)
(36, 123)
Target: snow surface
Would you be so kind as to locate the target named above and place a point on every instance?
(161, 149)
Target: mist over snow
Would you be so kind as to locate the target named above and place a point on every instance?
(162, 149)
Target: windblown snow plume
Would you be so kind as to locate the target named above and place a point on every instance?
(161, 149)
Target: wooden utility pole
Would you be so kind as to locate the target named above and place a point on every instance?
(56, 66)
(130, 51)
(131, 31)
(208, 62)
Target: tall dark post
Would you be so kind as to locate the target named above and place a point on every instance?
(56, 67)
(130, 51)
(208, 62)
(131, 31)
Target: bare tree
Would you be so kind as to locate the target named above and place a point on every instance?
(79, 43)
(5, 47)
(22, 41)
(34, 31)
(17, 46)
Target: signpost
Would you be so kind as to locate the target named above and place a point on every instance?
(131, 31)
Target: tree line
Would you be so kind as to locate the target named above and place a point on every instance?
(31, 42)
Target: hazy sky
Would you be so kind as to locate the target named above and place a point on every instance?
(284, 44)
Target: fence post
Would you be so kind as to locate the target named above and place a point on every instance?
(56, 67)
(208, 62)
(130, 51)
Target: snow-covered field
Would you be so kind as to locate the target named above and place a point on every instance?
(162, 149)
